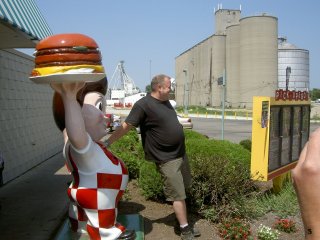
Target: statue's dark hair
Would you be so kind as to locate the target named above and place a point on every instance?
(100, 86)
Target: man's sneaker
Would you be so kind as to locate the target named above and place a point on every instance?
(196, 232)
(186, 233)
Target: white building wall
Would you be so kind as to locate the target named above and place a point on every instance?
(28, 134)
(131, 100)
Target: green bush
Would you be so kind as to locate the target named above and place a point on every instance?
(129, 149)
(202, 147)
(150, 181)
(190, 134)
(219, 187)
(221, 177)
(246, 144)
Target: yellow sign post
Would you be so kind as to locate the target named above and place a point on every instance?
(280, 129)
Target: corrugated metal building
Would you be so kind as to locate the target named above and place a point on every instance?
(245, 51)
(293, 67)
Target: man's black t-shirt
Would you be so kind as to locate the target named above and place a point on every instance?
(161, 133)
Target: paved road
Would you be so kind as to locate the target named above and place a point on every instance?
(234, 130)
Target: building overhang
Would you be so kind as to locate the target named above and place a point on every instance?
(21, 24)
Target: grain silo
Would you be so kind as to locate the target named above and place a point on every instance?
(258, 57)
(199, 74)
(181, 76)
(293, 67)
(194, 75)
(218, 67)
(232, 66)
(225, 18)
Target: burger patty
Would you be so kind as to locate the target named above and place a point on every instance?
(67, 56)
(52, 64)
(78, 49)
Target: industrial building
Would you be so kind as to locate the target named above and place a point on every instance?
(243, 58)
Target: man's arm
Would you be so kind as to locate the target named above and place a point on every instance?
(306, 176)
(120, 131)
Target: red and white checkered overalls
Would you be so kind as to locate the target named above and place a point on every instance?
(99, 181)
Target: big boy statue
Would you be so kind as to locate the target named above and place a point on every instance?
(71, 64)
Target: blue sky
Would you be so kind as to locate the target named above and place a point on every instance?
(149, 34)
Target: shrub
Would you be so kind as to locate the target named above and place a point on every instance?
(150, 182)
(190, 134)
(129, 149)
(285, 225)
(217, 183)
(246, 144)
(221, 186)
(221, 177)
(234, 229)
(202, 147)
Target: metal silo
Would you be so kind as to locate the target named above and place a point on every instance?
(218, 67)
(258, 57)
(233, 66)
(293, 65)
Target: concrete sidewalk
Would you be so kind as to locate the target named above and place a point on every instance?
(34, 205)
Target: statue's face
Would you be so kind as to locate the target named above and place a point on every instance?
(93, 114)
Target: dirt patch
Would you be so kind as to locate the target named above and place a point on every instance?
(159, 219)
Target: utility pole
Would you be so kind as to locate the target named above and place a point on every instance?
(186, 90)
(223, 103)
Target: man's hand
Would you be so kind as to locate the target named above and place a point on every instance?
(306, 176)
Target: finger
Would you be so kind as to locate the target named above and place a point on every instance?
(313, 153)
(56, 87)
(302, 156)
(79, 85)
(82, 85)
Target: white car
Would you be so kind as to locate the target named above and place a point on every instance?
(116, 122)
(113, 121)
(185, 121)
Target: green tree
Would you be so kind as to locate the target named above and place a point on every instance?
(148, 89)
(315, 94)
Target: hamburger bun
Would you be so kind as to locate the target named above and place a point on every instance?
(71, 53)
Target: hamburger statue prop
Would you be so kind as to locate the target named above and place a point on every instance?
(71, 64)
(67, 58)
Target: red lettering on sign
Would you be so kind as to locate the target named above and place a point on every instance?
(291, 95)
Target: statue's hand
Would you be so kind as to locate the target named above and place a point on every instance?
(67, 89)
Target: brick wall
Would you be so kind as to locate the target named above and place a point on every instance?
(28, 134)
